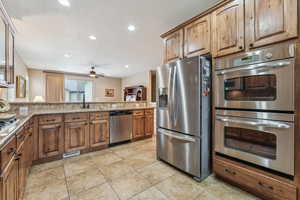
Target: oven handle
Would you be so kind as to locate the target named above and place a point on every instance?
(253, 123)
(171, 135)
(258, 66)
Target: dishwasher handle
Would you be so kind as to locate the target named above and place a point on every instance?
(122, 112)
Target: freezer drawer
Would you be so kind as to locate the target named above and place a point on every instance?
(179, 150)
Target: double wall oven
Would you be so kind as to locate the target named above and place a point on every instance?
(254, 99)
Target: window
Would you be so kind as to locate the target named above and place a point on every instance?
(75, 89)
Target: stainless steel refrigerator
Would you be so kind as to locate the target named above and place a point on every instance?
(184, 115)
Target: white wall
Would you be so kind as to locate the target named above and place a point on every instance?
(22, 70)
(141, 78)
(37, 85)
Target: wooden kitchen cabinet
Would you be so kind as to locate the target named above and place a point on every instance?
(228, 28)
(138, 126)
(270, 21)
(51, 140)
(21, 157)
(173, 46)
(99, 133)
(9, 181)
(149, 125)
(197, 37)
(76, 136)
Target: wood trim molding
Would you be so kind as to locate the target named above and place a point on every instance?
(208, 11)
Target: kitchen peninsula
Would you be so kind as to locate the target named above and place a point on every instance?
(51, 130)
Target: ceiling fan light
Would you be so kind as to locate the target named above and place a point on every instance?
(92, 74)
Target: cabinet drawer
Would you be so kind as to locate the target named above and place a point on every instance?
(265, 186)
(75, 117)
(99, 115)
(50, 119)
(138, 112)
(149, 112)
(20, 135)
(7, 152)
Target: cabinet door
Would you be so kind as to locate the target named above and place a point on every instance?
(228, 28)
(76, 136)
(197, 37)
(149, 125)
(9, 181)
(22, 168)
(173, 47)
(138, 126)
(99, 133)
(270, 21)
(50, 140)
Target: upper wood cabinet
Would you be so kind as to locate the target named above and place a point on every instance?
(54, 87)
(228, 28)
(197, 37)
(270, 21)
(50, 140)
(173, 47)
(76, 136)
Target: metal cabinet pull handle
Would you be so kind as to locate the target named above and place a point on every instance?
(253, 67)
(253, 123)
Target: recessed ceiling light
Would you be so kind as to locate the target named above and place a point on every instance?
(126, 66)
(67, 55)
(131, 28)
(65, 3)
(92, 37)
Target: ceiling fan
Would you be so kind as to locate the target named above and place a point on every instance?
(93, 73)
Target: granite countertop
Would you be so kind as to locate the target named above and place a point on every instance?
(5, 136)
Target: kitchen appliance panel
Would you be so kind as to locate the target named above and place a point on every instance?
(267, 86)
(267, 141)
(179, 83)
(179, 150)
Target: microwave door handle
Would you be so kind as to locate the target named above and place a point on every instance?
(254, 67)
(252, 123)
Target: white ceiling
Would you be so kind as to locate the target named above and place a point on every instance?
(46, 31)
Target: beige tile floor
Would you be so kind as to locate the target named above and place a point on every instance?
(128, 171)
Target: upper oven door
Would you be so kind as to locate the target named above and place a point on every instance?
(266, 86)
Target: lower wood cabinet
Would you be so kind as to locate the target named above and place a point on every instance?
(76, 136)
(143, 123)
(99, 133)
(138, 126)
(22, 159)
(9, 181)
(51, 140)
(259, 184)
(149, 124)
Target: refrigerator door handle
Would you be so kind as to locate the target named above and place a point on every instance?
(172, 135)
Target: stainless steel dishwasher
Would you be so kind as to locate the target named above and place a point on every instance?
(120, 126)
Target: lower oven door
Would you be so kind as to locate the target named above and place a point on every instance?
(263, 142)
(179, 150)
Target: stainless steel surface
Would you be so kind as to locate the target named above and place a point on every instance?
(184, 115)
(284, 72)
(179, 150)
(258, 115)
(181, 82)
(276, 52)
(283, 130)
(120, 128)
